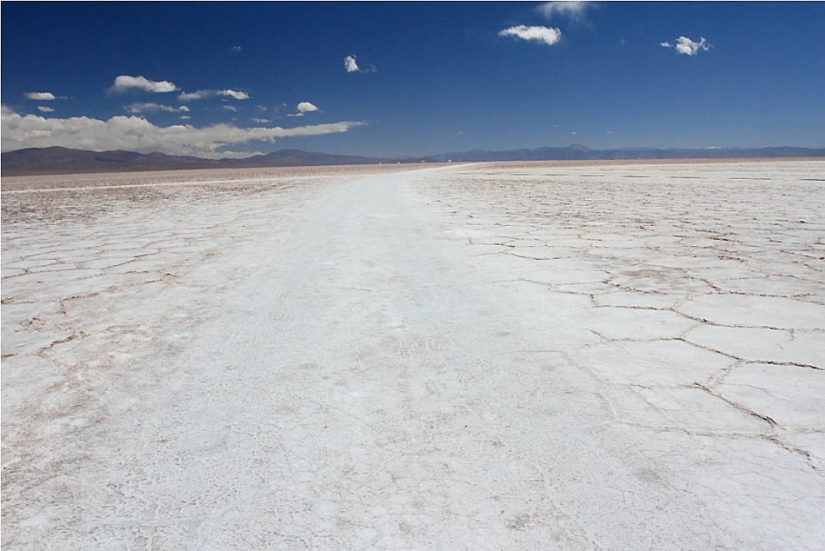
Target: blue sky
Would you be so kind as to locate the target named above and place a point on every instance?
(215, 79)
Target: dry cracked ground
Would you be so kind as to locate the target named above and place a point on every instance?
(491, 356)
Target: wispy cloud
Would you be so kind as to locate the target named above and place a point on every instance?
(686, 46)
(231, 108)
(45, 109)
(126, 82)
(239, 154)
(259, 121)
(545, 35)
(351, 66)
(235, 48)
(573, 11)
(201, 94)
(133, 133)
(41, 96)
(188, 96)
(136, 108)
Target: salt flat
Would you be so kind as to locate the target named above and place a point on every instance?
(491, 356)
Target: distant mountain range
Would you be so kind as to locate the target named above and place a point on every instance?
(61, 160)
(578, 152)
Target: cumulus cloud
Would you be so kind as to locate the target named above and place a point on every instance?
(574, 11)
(136, 108)
(133, 133)
(201, 94)
(45, 109)
(546, 35)
(304, 107)
(350, 65)
(686, 46)
(41, 96)
(125, 82)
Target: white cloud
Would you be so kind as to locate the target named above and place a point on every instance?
(303, 107)
(350, 65)
(137, 134)
(259, 121)
(575, 11)
(184, 117)
(238, 154)
(546, 35)
(236, 48)
(41, 96)
(201, 94)
(234, 94)
(125, 82)
(136, 108)
(230, 108)
(686, 46)
(45, 109)
(306, 107)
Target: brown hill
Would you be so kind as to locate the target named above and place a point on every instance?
(62, 160)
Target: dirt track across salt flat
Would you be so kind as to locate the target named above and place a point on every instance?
(490, 356)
